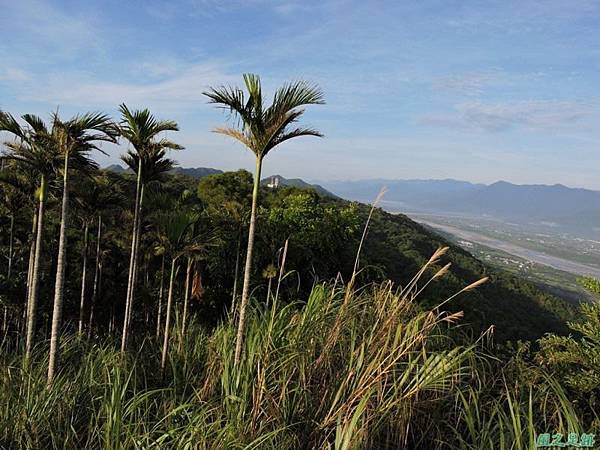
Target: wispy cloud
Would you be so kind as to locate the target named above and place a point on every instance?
(469, 84)
(52, 33)
(177, 91)
(532, 114)
(14, 74)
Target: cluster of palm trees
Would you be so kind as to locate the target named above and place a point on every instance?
(40, 154)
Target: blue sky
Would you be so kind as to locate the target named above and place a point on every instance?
(474, 90)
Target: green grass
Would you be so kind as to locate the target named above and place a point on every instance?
(346, 369)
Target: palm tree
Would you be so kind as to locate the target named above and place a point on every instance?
(33, 149)
(74, 139)
(148, 160)
(261, 129)
(174, 228)
(95, 197)
(15, 194)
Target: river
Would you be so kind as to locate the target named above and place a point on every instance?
(530, 255)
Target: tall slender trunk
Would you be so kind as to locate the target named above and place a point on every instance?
(236, 270)
(163, 360)
(10, 246)
(35, 276)
(186, 296)
(30, 266)
(83, 276)
(96, 275)
(160, 296)
(29, 275)
(136, 260)
(60, 277)
(92, 312)
(132, 255)
(248, 265)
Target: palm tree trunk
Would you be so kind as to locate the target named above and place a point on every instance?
(186, 296)
(35, 276)
(31, 258)
(29, 276)
(30, 263)
(236, 271)
(136, 260)
(248, 265)
(163, 360)
(10, 246)
(60, 277)
(83, 276)
(160, 296)
(132, 257)
(96, 275)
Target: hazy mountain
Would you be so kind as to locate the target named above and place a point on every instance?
(409, 193)
(569, 209)
(275, 181)
(116, 168)
(196, 172)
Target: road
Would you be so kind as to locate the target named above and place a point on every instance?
(530, 255)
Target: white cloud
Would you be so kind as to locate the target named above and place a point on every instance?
(83, 89)
(14, 74)
(531, 114)
(51, 32)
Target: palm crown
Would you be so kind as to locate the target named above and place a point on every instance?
(262, 128)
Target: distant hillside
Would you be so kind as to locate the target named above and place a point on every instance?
(279, 181)
(324, 234)
(195, 172)
(567, 209)
(116, 168)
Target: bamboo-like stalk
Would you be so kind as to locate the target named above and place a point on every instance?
(160, 296)
(186, 296)
(83, 277)
(236, 271)
(35, 277)
(60, 277)
(163, 359)
(95, 287)
(248, 265)
(132, 257)
(135, 263)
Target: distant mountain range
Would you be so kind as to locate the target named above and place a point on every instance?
(557, 206)
(278, 181)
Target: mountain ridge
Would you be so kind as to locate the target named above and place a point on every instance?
(570, 209)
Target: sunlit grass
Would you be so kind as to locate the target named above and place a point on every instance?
(347, 369)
